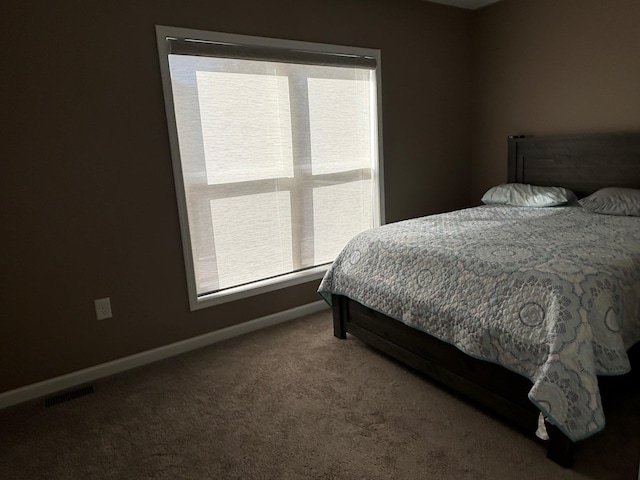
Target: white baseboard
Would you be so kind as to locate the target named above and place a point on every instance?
(56, 384)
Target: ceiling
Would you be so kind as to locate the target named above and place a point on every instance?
(470, 4)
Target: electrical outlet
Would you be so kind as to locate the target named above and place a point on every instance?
(103, 308)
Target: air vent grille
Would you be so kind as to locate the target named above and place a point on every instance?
(69, 395)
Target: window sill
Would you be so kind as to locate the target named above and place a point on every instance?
(256, 288)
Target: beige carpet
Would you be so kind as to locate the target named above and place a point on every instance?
(290, 402)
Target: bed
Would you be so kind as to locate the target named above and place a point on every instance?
(535, 335)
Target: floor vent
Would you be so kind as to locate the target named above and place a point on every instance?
(70, 395)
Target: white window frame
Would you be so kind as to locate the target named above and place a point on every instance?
(163, 33)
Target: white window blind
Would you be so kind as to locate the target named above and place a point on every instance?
(276, 155)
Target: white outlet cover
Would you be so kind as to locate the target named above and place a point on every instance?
(103, 308)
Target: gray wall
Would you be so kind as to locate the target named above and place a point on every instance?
(87, 202)
(551, 67)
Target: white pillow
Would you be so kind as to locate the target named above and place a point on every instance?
(525, 195)
(614, 201)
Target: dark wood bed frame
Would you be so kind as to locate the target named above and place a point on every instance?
(582, 163)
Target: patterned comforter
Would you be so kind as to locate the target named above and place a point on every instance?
(550, 293)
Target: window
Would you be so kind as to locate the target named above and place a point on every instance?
(276, 153)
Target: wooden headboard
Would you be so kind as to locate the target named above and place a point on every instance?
(582, 163)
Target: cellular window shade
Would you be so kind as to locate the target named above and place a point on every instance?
(277, 154)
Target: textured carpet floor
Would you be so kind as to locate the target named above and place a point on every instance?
(290, 402)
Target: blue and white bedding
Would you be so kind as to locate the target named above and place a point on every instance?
(550, 293)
